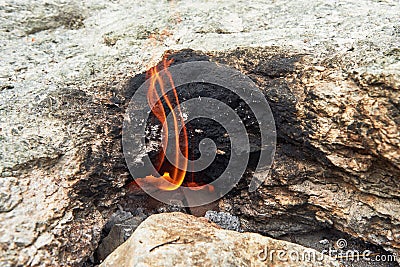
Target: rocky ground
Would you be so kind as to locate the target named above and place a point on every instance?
(330, 70)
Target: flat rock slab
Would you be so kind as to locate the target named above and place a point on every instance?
(177, 239)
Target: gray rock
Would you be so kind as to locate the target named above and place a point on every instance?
(225, 220)
(120, 227)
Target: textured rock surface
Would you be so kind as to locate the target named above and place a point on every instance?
(62, 79)
(337, 158)
(168, 240)
(225, 220)
(118, 229)
(329, 169)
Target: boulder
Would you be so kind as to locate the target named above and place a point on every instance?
(177, 239)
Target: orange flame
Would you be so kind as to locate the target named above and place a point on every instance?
(176, 175)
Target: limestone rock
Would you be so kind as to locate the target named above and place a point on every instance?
(329, 69)
(177, 239)
(337, 161)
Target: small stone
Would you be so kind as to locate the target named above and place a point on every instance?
(121, 226)
(225, 220)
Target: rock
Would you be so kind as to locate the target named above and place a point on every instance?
(65, 69)
(337, 161)
(225, 220)
(120, 227)
(177, 239)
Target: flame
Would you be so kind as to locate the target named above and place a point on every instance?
(176, 175)
(174, 178)
(195, 187)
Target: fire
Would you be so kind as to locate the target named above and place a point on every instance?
(175, 176)
(195, 187)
